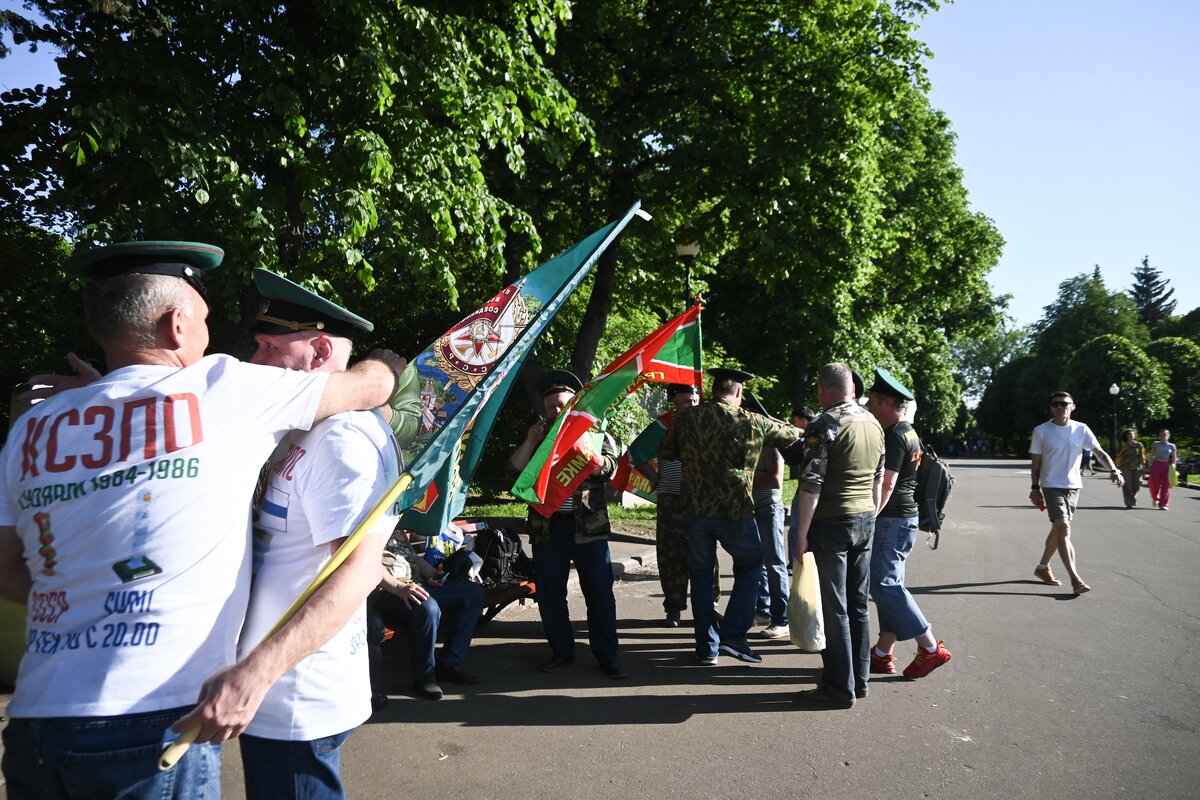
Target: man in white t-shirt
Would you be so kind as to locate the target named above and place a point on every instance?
(318, 486)
(124, 526)
(1056, 451)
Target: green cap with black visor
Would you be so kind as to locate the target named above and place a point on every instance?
(287, 307)
(185, 260)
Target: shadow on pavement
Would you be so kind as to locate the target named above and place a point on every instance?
(514, 693)
(964, 588)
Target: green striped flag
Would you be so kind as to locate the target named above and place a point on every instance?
(571, 450)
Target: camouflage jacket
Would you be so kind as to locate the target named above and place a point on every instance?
(719, 445)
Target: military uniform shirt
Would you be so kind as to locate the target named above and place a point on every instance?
(843, 456)
(719, 445)
(902, 456)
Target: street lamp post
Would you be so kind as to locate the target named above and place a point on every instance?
(1114, 390)
(687, 254)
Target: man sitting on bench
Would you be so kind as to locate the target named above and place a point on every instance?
(400, 601)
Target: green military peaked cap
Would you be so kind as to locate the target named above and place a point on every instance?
(680, 388)
(886, 383)
(288, 307)
(186, 260)
(560, 380)
(730, 374)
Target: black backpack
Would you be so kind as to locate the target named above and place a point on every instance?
(934, 484)
(504, 560)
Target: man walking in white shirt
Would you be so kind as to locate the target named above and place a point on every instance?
(1056, 450)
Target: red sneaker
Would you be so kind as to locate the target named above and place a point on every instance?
(882, 666)
(925, 663)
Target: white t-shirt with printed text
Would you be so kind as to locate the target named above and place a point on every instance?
(1061, 448)
(320, 485)
(132, 499)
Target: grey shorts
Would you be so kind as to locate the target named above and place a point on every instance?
(1060, 503)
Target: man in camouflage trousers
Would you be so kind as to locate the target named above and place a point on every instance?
(719, 443)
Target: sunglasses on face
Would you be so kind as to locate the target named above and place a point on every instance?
(1060, 404)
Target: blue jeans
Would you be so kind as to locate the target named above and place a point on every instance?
(774, 584)
(898, 611)
(105, 757)
(552, 564)
(740, 539)
(281, 770)
(460, 601)
(842, 549)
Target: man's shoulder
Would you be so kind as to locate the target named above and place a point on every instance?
(357, 430)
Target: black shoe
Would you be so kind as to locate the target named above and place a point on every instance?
(672, 619)
(613, 670)
(556, 663)
(427, 688)
(747, 655)
(860, 695)
(378, 702)
(819, 698)
(456, 674)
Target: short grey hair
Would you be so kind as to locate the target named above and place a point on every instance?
(127, 308)
(836, 377)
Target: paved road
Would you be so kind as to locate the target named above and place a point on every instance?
(1048, 695)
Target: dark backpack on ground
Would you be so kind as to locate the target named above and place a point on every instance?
(934, 484)
(504, 560)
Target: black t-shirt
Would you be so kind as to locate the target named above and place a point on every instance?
(902, 455)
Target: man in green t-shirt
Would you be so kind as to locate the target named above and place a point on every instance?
(896, 532)
(833, 513)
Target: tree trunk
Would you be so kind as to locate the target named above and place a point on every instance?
(595, 318)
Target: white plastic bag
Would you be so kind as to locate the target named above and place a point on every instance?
(805, 625)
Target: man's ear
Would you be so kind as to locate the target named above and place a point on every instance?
(171, 326)
(322, 347)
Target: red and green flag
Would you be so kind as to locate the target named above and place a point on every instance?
(571, 450)
(644, 449)
(465, 376)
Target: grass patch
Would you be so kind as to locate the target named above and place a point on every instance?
(636, 520)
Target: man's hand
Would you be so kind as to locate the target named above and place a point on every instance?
(228, 701)
(396, 363)
(412, 594)
(48, 385)
(537, 432)
(1118, 478)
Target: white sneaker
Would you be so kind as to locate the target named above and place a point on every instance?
(775, 632)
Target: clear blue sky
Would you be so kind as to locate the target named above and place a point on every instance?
(1078, 127)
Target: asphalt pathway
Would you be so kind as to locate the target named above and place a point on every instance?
(1048, 694)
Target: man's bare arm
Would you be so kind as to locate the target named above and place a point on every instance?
(366, 385)
(890, 476)
(230, 698)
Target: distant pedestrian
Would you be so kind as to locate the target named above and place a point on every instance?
(1131, 460)
(1162, 456)
(1056, 451)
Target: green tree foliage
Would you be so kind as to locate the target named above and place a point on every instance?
(979, 357)
(1179, 360)
(1083, 310)
(1110, 359)
(1186, 327)
(326, 140)
(1151, 295)
(43, 317)
(795, 143)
